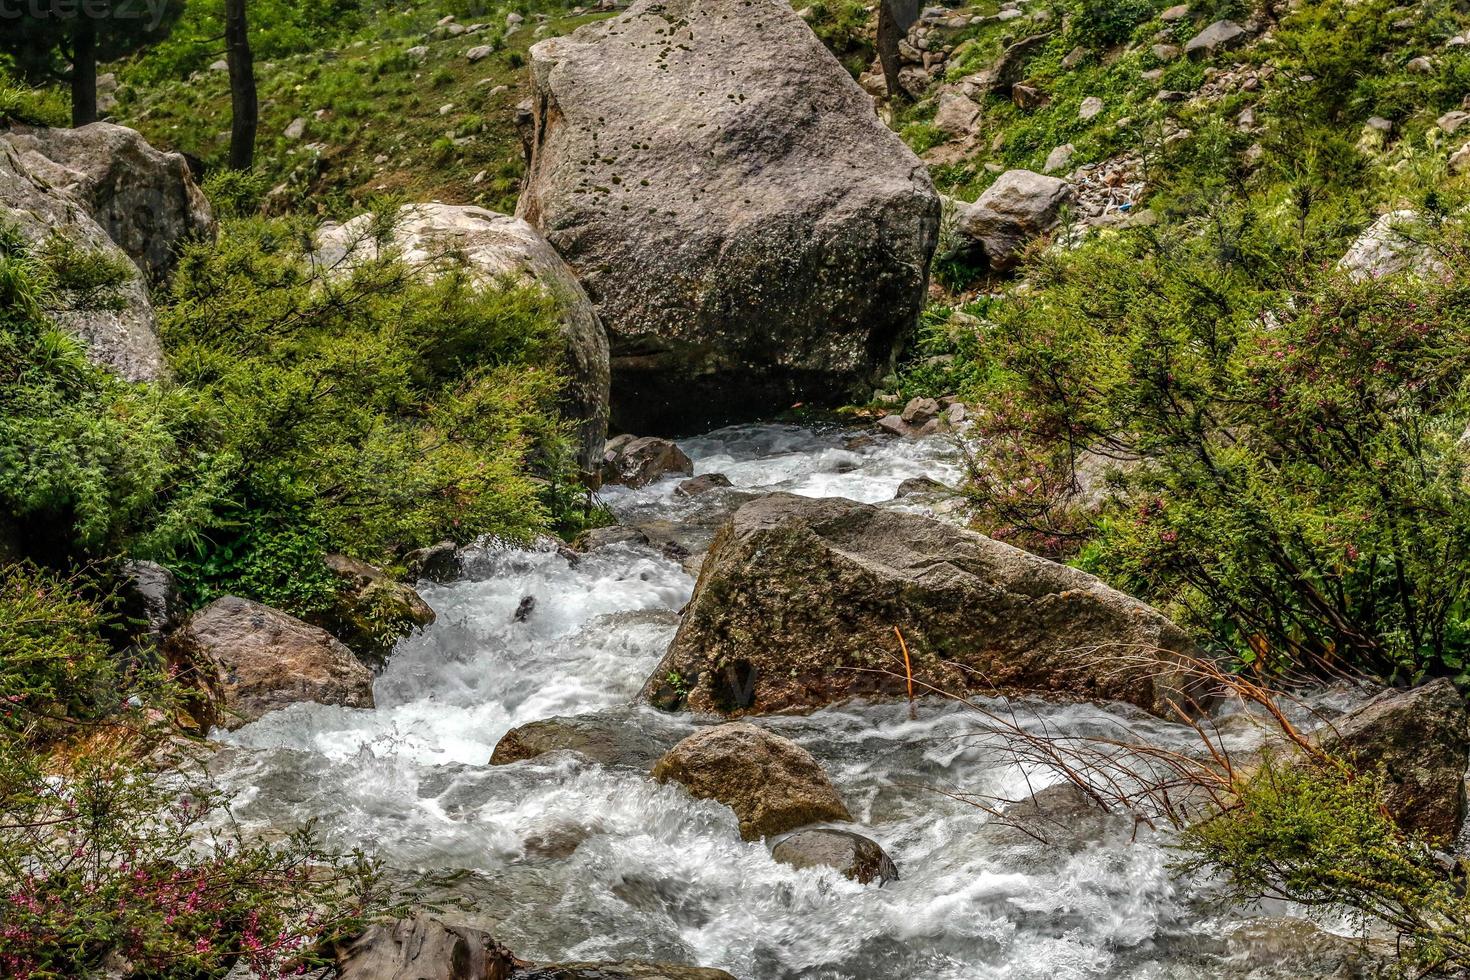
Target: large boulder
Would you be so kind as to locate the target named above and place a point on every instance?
(751, 233)
(1020, 206)
(1222, 35)
(495, 248)
(1418, 741)
(252, 660)
(772, 784)
(424, 949)
(853, 855)
(145, 199)
(118, 335)
(798, 600)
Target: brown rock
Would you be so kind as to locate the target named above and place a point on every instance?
(772, 784)
(854, 855)
(798, 599)
(639, 462)
(1418, 741)
(702, 484)
(253, 660)
(424, 949)
(601, 740)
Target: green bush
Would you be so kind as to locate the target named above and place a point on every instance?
(1104, 23)
(100, 858)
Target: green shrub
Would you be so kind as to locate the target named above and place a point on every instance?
(1103, 23)
(33, 106)
(99, 858)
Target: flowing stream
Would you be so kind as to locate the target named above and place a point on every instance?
(564, 859)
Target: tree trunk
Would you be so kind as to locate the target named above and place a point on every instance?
(244, 106)
(84, 72)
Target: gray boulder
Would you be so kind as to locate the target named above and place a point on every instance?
(250, 660)
(854, 855)
(496, 248)
(145, 199)
(150, 598)
(118, 335)
(626, 970)
(772, 784)
(798, 599)
(1020, 206)
(1222, 35)
(1418, 741)
(751, 233)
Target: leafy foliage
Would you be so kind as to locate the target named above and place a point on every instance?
(100, 858)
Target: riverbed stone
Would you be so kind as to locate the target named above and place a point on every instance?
(703, 484)
(643, 461)
(603, 740)
(250, 660)
(752, 233)
(799, 597)
(853, 855)
(1418, 741)
(424, 948)
(626, 970)
(772, 784)
(372, 610)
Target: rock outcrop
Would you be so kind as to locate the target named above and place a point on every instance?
(772, 784)
(798, 600)
(1418, 741)
(495, 248)
(119, 335)
(750, 232)
(1017, 208)
(853, 855)
(252, 660)
(146, 200)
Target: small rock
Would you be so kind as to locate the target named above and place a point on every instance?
(1165, 52)
(1178, 12)
(524, 609)
(1090, 108)
(1460, 160)
(437, 563)
(1451, 122)
(372, 611)
(1028, 96)
(607, 537)
(643, 461)
(220, 65)
(855, 856)
(1075, 57)
(296, 130)
(1420, 66)
(606, 741)
(1222, 35)
(479, 53)
(919, 486)
(957, 114)
(418, 52)
(1059, 158)
(702, 484)
(772, 784)
(514, 19)
(413, 948)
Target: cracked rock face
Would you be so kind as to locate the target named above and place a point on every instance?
(750, 232)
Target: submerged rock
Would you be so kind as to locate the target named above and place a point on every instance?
(854, 855)
(799, 597)
(252, 660)
(752, 234)
(626, 970)
(495, 248)
(1419, 742)
(602, 740)
(703, 484)
(772, 784)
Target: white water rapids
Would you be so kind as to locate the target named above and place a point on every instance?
(564, 859)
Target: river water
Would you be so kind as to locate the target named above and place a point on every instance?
(563, 859)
